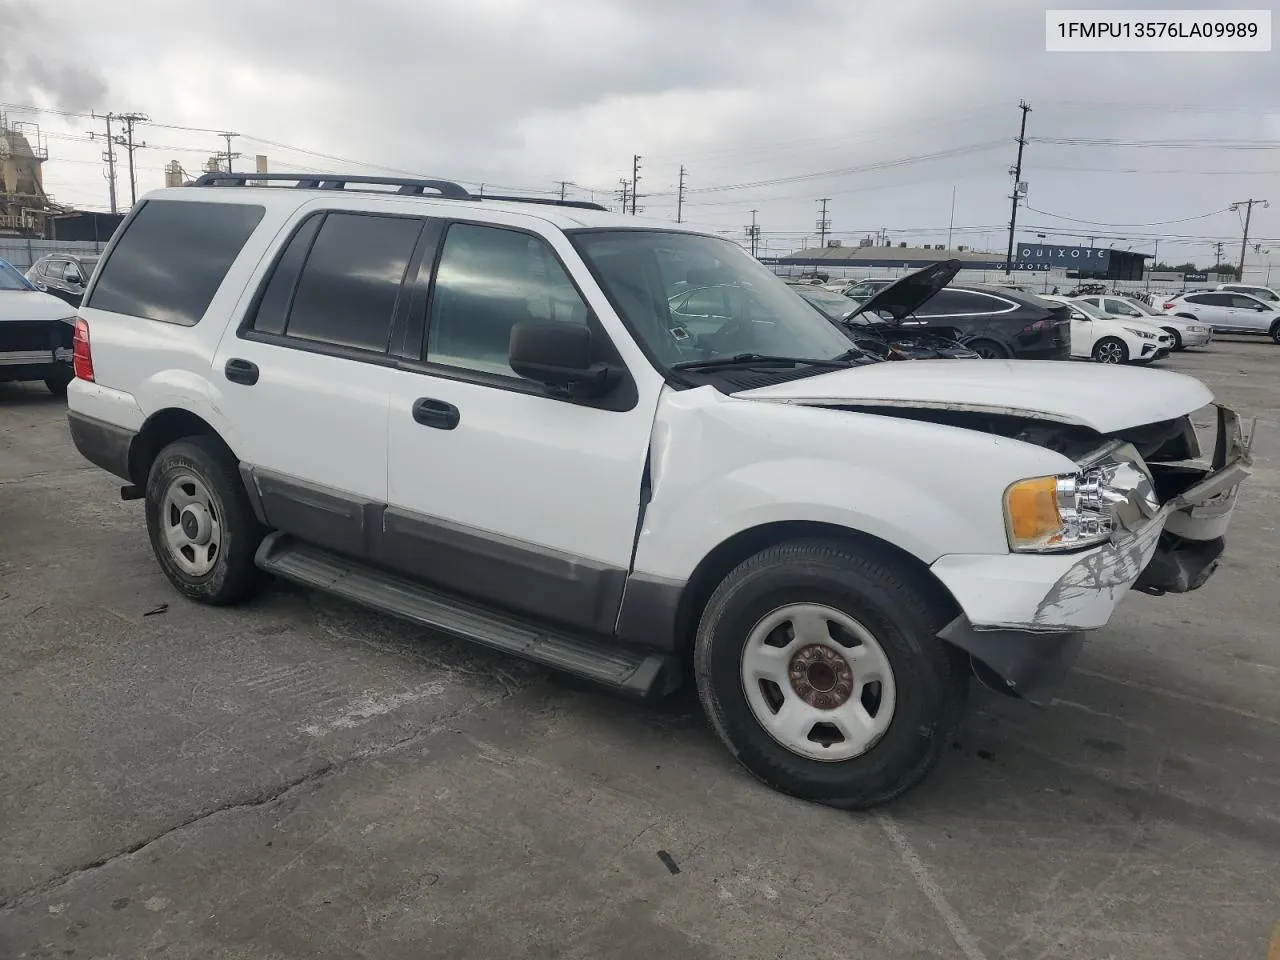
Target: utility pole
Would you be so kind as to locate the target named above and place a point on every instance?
(824, 225)
(228, 154)
(680, 197)
(563, 184)
(952, 225)
(635, 180)
(1244, 241)
(110, 157)
(624, 192)
(127, 141)
(1017, 181)
(1218, 256)
(753, 233)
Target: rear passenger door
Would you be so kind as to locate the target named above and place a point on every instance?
(1213, 308)
(305, 376)
(497, 488)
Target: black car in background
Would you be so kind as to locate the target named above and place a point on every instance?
(865, 325)
(63, 275)
(996, 322)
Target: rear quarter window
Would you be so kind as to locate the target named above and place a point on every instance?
(171, 259)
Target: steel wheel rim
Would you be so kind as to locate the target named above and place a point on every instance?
(1109, 353)
(191, 525)
(818, 682)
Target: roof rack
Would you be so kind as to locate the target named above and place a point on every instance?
(549, 201)
(409, 186)
(317, 181)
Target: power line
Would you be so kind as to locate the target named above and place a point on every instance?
(1099, 223)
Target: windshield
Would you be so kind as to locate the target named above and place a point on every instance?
(11, 279)
(1084, 306)
(692, 298)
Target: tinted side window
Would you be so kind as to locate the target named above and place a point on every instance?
(490, 279)
(273, 308)
(1212, 299)
(349, 286)
(1244, 303)
(961, 302)
(172, 258)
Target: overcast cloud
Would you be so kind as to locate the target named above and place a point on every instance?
(523, 94)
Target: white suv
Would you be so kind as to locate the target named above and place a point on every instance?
(1227, 312)
(480, 415)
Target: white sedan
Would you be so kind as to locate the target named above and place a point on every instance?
(1186, 332)
(1098, 336)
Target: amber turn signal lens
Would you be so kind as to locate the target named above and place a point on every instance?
(1032, 509)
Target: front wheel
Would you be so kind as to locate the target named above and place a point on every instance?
(1275, 332)
(818, 664)
(202, 527)
(1110, 350)
(1177, 337)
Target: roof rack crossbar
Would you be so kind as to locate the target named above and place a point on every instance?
(445, 188)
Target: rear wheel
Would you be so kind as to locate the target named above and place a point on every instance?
(202, 527)
(1110, 350)
(818, 664)
(989, 350)
(1275, 332)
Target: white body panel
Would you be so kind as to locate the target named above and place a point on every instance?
(1103, 398)
(1254, 317)
(31, 305)
(722, 465)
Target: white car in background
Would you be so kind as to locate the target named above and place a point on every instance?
(1186, 332)
(1227, 312)
(1097, 336)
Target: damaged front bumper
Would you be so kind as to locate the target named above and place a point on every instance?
(1023, 615)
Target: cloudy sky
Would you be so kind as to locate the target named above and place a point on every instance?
(882, 106)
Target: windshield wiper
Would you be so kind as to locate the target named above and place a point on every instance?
(761, 360)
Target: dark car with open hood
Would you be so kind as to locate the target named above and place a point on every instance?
(885, 340)
(992, 322)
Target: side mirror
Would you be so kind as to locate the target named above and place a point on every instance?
(559, 355)
(72, 276)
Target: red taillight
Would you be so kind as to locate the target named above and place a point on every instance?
(81, 355)
(1037, 326)
(1169, 306)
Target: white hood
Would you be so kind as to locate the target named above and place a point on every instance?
(1103, 397)
(32, 305)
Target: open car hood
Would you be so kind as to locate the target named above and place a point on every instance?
(903, 297)
(1102, 398)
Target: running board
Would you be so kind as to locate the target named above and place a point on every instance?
(637, 673)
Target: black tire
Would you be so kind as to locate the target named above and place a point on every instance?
(58, 382)
(1177, 337)
(233, 577)
(931, 676)
(988, 349)
(1275, 332)
(1111, 350)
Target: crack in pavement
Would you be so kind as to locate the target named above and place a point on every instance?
(256, 800)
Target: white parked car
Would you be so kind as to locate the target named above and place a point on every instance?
(1227, 312)
(479, 414)
(35, 333)
(1096, 335)
(1186, 332)
(1265, 294)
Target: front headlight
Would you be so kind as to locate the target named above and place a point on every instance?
(1141, 333)
(1069, 511)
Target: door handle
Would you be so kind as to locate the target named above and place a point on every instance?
(435, 413)
(242, 371)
